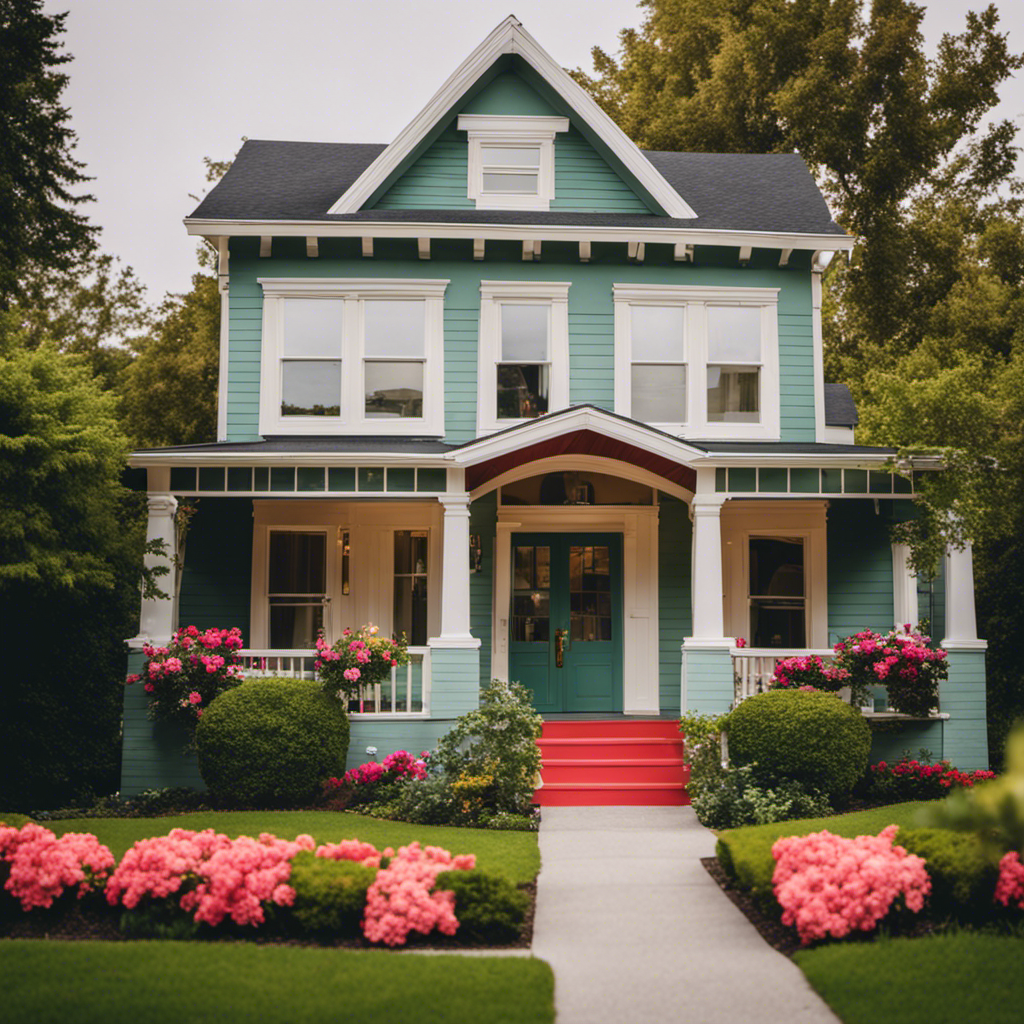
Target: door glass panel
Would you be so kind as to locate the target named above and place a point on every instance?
(410, 606)
(590, 586)
(296, 581)
(777, 599)
(531, 598)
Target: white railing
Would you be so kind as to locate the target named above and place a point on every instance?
(753, 667)
(406, 693)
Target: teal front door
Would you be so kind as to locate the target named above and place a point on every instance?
(565, 628)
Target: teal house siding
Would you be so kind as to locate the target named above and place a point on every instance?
(245, 338)
(215, 585)
(437, 180)
(674, 605)
(859, 569)
(585, 181)
(962, 696)
(708, 681)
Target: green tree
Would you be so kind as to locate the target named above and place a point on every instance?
(41, 227)
(70, 548)
(169, 391)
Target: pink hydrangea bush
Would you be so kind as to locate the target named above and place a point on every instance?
(351, 849)
(828, 885)
(1010, 886)
(799, 673)
(43, 866)
(902, 660)
(401, 899)
(182, 679)
(359, 659)
(217, 876)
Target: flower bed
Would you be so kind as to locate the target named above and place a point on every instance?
(192, 884)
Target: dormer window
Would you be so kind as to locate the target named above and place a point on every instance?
(511, 160)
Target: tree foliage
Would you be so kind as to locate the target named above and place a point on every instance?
(41, 227)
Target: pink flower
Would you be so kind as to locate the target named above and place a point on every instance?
(351, 674)
(149, 688)
(195, 698)
(741, 642)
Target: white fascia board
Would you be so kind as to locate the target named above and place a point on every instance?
(558, 424)
(143, 460)
(517, 232)
(511, 37)
(831, 459)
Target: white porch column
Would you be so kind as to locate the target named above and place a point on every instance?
(708, 586)
(961, 621)
(156, 619)
(904, 587)
(455, 567)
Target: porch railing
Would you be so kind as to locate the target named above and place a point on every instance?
(753, 667)
(407, 692)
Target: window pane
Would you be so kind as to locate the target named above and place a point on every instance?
(776, 567)
(517, 183)
(297, 562)
(659, 394)
(778, 623)
(295, 627)
(393, 390)
(511, 156)
(657, 333)
(733, 395)
(734, 334)
(410, 551)
(394, 328)
(310, 387)
(524, 333)
(312, 327)
(522, 391)
(411, 609)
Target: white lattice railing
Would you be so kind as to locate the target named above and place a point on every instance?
(407, 692)
(753, 667)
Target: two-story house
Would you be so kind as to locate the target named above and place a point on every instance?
(550, 405)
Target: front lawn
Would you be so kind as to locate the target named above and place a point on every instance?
(175, 982)
(959, 978)
(512, 854)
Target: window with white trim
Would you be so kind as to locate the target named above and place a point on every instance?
(702, 362)
(524, 351)
(511, 160)
(352, 356)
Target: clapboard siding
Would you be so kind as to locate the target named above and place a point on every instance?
(674, 605)
(859, 569)
(483, 516)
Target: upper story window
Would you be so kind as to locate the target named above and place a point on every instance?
(511, 160)
(524, 351)
(352, 356)
(698, 361)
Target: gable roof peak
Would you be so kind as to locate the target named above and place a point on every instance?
(510, 37)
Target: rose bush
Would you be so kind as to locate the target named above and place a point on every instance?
(359, 659)
(182, 678)
(902, 660)
(795, 673)
(918, 780)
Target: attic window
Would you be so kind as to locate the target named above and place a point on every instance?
(511, 160)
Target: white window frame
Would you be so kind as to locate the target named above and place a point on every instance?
(355, 292)
(696, 301)
(512, 131)
(493, 295)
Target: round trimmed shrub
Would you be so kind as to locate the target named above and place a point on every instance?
(812, 738)
(330, 895)
(489, 907)
(271, 743)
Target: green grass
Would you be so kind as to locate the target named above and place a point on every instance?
(746, 853)
(960, 978)
(181, 983)
(512, 854)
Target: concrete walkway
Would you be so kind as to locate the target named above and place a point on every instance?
(637, 932)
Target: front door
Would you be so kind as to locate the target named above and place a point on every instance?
(565, 641)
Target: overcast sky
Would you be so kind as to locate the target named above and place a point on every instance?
(156, 85)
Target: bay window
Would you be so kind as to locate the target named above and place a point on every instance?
(352, 356)
(702, 362)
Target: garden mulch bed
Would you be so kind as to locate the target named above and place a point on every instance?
(73, 921)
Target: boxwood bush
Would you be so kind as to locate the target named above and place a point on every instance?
(811, 738)
(271, 743)
(489, 907)
(330, 895)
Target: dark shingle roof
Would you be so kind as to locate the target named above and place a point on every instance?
(728, 191)
(840, 409)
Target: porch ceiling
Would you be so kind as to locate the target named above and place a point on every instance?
(581, 442)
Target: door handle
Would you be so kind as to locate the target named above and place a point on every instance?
(560, 635)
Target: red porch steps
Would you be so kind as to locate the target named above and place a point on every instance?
(611, 762)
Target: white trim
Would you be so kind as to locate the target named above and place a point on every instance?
(511, 37)
(224, 286)
(353, 292)
(742, 520)
(638, 525)
(821, 431)
(494, 294)
(512, 131)
(964, 645)
(696, 300)
(368, 230)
